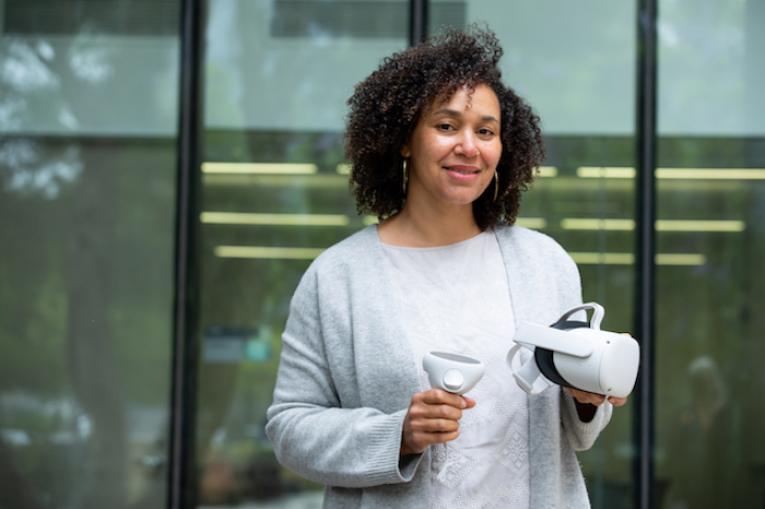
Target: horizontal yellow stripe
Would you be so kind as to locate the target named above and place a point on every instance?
(662, 225)
(614, 172)
(711, 173)
(680, 259)
(536, 223)
(259, 168)
(675, 259)
(626, 172)
(315, 181)
(688, 225)
(548, 171)
(270, 253)
(597, 224)
(275, 219)
(587, 258)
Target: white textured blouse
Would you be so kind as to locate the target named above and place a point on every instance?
(456, 298)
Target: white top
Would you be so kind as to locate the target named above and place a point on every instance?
(456, 298)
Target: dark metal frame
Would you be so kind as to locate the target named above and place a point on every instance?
(182, 461)
(418, 21)
(645, 218)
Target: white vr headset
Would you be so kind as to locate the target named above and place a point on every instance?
(575, 354)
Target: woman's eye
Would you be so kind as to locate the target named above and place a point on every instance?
(445, 127)
(486, 132)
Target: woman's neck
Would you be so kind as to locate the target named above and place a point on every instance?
(423, 226)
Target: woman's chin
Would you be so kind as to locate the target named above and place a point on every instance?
(462, 197)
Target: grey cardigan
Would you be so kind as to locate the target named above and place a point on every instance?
(347, 375)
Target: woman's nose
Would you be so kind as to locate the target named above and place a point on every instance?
(466, 145)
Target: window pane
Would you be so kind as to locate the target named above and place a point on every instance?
(88, 116)
(711, 184)
(574, 63)
(278, 74)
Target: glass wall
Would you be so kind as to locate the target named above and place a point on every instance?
(711, 184)
(88, 117)
(88, 128)
(275, 193)
(575, 64)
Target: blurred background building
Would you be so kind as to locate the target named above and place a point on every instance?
(146, 197)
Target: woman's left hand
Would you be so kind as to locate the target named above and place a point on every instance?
(592, 398)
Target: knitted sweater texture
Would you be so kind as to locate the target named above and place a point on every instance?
(347, 375)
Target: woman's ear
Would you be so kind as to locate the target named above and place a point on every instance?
(405, 152)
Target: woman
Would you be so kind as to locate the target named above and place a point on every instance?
(441, 151)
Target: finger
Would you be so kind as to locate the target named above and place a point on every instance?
(586, 397)
(435, 425)
(425, 411)
(441, 438)
(421, 440)
(441, 397)
(470, 402)
(617, 401)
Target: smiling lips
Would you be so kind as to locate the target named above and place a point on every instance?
(463, 170)
(462, 174)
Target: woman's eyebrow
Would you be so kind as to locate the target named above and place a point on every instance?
(447, 112)
(456, 114)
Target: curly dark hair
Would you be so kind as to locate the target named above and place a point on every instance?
(386, 106)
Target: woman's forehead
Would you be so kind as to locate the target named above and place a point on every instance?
(464, 98)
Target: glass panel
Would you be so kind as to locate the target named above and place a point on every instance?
(275, 192)
(574, 63)
(88, 119)
(710, 293)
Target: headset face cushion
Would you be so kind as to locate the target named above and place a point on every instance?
(544, 360)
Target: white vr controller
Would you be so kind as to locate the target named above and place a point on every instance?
(452, 372)
(575, 354)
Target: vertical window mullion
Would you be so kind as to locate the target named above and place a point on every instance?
(645, 215)
(182, 461)
(418, 21)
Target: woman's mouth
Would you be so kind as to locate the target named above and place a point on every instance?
(463, 169)
(461, 173)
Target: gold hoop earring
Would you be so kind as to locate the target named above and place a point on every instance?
(496, 185)
(404, 178)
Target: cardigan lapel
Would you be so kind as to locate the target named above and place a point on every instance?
(529, 304)
(383, 347)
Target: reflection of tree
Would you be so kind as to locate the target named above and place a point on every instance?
(93, 367)
(57, 229)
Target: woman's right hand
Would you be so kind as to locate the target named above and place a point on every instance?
(433, 418)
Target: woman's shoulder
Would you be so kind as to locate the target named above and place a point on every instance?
(333, 268)
(527, 238)
(346, 255)
(531, 245)
(351, 250)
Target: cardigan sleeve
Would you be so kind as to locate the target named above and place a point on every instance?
(311, 433)
(581, 435)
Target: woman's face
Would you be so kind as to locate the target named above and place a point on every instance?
(455, 148)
